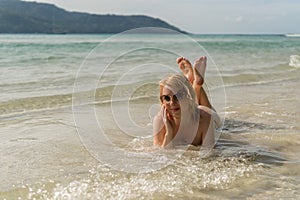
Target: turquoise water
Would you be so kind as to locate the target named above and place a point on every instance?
(57, 90)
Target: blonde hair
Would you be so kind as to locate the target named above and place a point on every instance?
(180, 83)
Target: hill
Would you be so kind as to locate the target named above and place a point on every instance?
(31, 17)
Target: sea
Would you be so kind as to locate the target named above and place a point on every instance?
(76, 117)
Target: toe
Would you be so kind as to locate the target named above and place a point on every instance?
(202, 58)
(178, 60)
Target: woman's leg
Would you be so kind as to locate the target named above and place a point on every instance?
(199, 72)
(196, 77)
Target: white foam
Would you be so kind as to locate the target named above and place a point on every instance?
(292, 35)
(295, 61)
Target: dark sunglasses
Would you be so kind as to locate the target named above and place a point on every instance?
(175, 97)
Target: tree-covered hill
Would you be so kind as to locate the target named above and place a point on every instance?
(31, 17)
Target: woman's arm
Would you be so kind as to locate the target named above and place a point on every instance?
(162, 130)
(158, 130)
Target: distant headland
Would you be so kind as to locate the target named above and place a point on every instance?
(18, 16)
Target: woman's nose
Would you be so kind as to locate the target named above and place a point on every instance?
(173, 101)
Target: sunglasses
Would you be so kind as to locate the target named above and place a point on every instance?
(174, 98)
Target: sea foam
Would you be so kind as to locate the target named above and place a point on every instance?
(294, 61)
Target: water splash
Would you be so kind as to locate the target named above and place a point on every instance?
(295, 61)
(190, 175)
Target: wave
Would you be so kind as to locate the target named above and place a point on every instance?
(144, 92)
(133, 93)
(34, 104)
(292, 35)
(295, 61)
(278, 73)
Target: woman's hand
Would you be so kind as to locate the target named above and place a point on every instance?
(168, 125)
(166, 119)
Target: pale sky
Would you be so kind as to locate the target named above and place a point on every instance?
(202, 16)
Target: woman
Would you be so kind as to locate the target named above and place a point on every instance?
(186, 115)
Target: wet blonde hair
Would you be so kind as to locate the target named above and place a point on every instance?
(179, 83)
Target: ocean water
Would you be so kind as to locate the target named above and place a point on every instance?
(76, 113)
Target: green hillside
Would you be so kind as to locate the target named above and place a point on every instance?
(31, 17)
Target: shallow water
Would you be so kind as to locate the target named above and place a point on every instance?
(104, 150)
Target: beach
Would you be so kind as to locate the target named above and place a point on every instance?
(76, 117)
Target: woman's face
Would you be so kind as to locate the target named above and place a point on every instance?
(173, 101)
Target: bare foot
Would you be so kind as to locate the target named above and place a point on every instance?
(186, 67)
(199, 70)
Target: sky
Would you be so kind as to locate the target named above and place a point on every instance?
(202, 16)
